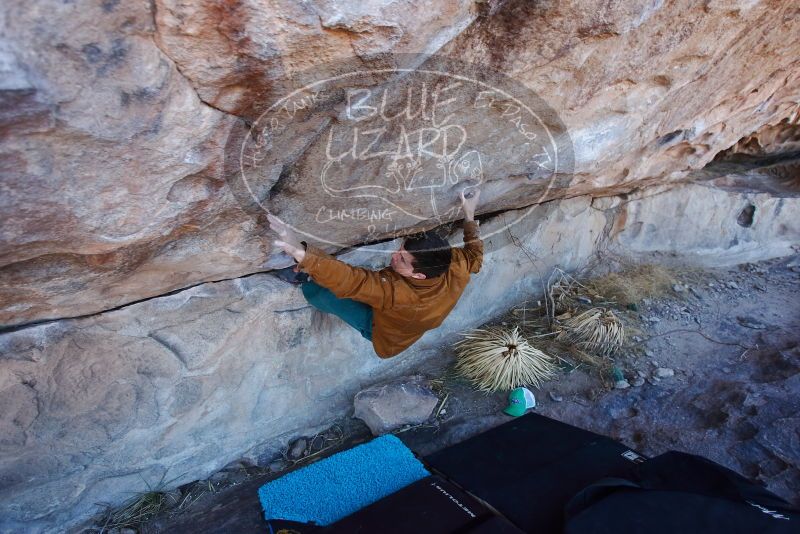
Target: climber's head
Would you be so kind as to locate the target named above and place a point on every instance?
(422, 256)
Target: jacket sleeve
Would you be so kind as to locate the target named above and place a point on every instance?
(346, 281)
(473, 246)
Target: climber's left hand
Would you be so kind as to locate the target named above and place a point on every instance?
(288, 241)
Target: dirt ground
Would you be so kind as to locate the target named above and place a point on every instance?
(712, 367)
(730, 336)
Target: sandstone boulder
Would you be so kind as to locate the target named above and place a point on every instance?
(388, 407)
(124, 126)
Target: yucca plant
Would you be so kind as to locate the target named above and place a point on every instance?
(596, 329)
(499, 359)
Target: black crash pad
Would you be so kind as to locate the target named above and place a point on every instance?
(529, 468)
(431, 505)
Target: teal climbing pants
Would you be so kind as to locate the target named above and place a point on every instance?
(356, 314)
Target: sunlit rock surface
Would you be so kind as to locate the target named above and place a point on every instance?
(123, 125)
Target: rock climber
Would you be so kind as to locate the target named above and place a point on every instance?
(392, 307)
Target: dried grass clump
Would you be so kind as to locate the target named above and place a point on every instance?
(596, 329)
(136, 511)
(499, 359)
(631, 285)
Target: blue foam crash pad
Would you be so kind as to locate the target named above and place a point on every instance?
(342, 484)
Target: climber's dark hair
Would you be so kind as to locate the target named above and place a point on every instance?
(432, 253)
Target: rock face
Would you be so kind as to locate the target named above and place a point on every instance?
(742, 226)
(666, 96)
(124, 126)
(772, 139)
(112, 189)
(387, 407)
(242, 56)
(141, 144)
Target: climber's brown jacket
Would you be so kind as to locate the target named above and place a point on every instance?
(403, 308)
